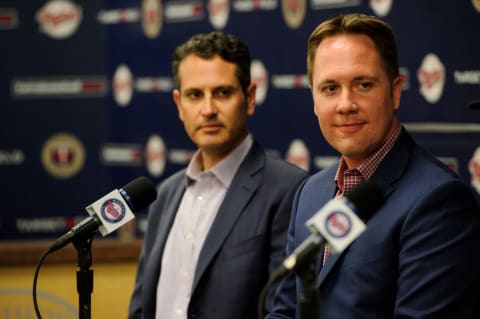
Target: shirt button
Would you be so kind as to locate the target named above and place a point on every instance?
(189, 236)
(178, 312)
(200, 198)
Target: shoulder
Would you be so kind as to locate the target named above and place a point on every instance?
(280, 166)
(422, 185)
(271, 165)
(412, 168)
(281, 175)
(425, 171)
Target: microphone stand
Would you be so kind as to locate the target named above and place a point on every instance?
(309, 297)
(83, 244)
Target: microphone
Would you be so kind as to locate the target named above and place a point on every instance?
(111, 211)
(339, 223)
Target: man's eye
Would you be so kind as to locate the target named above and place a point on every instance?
(193, 95)
(224, 93)
(329, 89)
(365, 85)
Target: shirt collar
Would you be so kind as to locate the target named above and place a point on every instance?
(370, 165)
(225, 169)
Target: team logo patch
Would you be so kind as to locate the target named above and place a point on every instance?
(63, 155)
(113, 210)
(155, 155)
(219, 11)
(260, 78)
(294, 12)
(59, 18)
(338, 224)
(431, 76)
(122, 85)
(381, 7)
(152, 18)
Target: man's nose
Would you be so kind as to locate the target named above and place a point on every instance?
(209, 107)
(346, 102)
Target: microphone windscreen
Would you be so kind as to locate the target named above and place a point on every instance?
(367, 198)
(141, 191)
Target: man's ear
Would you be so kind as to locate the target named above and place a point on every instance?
(177, 100)
(397, 87)
(251, 98)
(313, 100)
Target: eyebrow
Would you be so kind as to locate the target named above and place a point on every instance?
(366, 77)
(223, 87)
(215, 88)
(357, 78)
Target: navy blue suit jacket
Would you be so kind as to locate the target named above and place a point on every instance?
(418, 257)
(245, 243)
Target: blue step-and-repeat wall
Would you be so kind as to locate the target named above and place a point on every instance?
(86, 106)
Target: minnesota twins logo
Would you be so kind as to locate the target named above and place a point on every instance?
(431, 76)
(113, 210)
(152, 18)
(63, 155)
(294, 12)
(338, 224)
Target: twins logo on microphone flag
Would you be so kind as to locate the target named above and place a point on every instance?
(338, 224)
(113, 211)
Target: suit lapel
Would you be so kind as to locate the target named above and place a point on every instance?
(328, 266)
(242, 188)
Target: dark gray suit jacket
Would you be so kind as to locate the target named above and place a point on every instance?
(245, 243)
(418, 257)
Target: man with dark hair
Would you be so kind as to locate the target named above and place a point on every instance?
(418, 255)
(218, 227)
